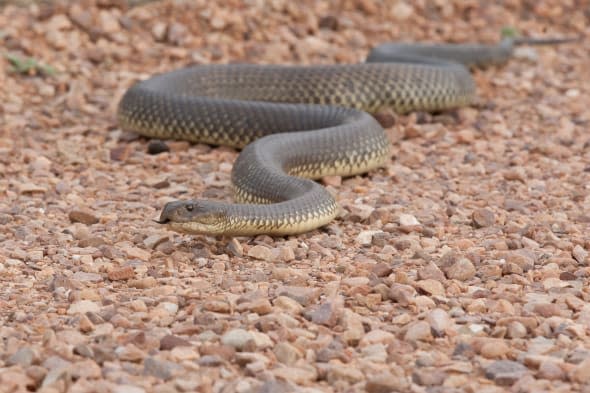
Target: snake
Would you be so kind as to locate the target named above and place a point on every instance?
(295, 124)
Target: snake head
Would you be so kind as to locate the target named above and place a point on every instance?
(194, 217)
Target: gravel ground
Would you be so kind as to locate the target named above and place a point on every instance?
(460, 266)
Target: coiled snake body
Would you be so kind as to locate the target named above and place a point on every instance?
(264, 109)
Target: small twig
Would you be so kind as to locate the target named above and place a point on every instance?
(29, 66)
(509, 32)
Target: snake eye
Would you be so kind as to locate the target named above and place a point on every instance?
(189, 207)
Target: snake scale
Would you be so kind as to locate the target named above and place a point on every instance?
(263, 110)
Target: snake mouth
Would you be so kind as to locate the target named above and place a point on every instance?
(162, 221)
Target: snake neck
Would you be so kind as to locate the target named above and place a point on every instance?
(311, 210)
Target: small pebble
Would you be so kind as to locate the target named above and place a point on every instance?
(483, 218)
(439, 321)
(342, 372)
(143, 283)
(408, 220)
(121, 153)
(401, 293)
(328, 313)
(260, 252)
(136, 252)
(461, 270)
(296, 375)
(328, 22)
(83, 306)
(581, 373)
(159, 31)
(334, 181)
(157, 147)
(91, 241)
(161, 369)
(516, 329)
(365, 238)
(84, 216)
(84, 350)
(402, 11)
(382, 269)
(526, 53)
(210, 361)
(121, 274)
(431, 287)
(259, 306)
(235, 248)
(505, 372)
(386, 382)
(431, 271)
(494, 349)
(23, 357)
(418, 331)
(170, 341)
(579, 254)
(239, 339)
(286, 353)
(303, 295)
(85, 324)
(428, 377)
(377, 336)
(288, 304)
(30, 188)
(551, 370)
(547, 310)
(155, 240)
